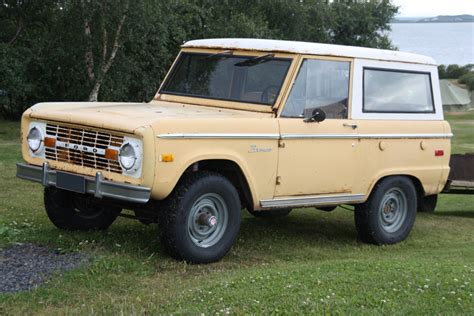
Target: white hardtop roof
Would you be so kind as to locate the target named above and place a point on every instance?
(310, 49)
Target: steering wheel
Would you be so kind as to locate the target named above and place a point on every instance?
(269, 96)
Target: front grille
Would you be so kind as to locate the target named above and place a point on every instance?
(83, 137)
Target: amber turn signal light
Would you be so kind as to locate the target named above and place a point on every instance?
(50, 142)
(111, 154)
(166, 157)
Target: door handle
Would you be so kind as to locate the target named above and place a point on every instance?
(351, 125)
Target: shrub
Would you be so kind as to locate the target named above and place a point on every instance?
(456, 71)
(468, 80)
(442, 72)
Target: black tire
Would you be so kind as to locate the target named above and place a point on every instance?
(72, 211)
(427, 204)
(277, 213)
(381, 220)
(197, 194)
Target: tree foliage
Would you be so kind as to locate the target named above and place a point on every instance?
(119, 50)
(468, 80)
(454, 71)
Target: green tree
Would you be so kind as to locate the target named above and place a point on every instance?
(362, 24)
(24, 33)
(119, 50)
(468, 80)
(442, 72)
(456, 71)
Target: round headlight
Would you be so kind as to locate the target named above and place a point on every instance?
(35, 139)
(127, 156)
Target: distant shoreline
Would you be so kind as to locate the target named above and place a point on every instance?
(464, 18)
(434, 22)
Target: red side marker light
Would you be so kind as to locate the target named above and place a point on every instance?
(439, 153)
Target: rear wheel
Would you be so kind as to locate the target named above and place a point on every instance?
(427, 204)
(72, 211)
(271, 213)
(201, 219)
(389, 214)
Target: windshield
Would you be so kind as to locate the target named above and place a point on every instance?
(251, 79)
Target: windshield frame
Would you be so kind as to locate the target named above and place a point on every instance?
(225, 103)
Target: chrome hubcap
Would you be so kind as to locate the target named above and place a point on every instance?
(393, 210)
(207, 220)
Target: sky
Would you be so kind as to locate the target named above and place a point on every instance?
(428, 8)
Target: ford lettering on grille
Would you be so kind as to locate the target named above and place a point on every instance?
(82, 148)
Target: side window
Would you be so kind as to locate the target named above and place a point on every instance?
(320, 84)
(396, 91)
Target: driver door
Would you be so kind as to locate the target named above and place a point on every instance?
(318, 158)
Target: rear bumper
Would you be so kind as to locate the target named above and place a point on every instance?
(97, 186)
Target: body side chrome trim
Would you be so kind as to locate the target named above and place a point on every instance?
(218, 136)
(365, 136)
(301, 136)
(313, 200)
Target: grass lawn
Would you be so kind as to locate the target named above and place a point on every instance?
(308, 262)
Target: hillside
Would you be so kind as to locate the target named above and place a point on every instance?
(437, 19)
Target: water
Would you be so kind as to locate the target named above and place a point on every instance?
(447, 43)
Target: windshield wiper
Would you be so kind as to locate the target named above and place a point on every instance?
(226, 53)
(255, 60)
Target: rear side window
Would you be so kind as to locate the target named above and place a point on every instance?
(394, 91)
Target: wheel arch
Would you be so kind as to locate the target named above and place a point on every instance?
(420, 191)
(225, 166)
(232, 171)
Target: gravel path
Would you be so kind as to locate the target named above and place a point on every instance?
(26, 266)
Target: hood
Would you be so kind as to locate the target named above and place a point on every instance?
(127, 117)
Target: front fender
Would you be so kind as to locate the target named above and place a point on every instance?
(259, 169)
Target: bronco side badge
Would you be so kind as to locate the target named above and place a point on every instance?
(254, 149)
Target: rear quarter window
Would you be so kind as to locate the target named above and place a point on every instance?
(397, 91)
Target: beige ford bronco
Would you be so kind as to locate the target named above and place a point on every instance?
(264, 125)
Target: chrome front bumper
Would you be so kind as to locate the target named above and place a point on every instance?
(97, 186)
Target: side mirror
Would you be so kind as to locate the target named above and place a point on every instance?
(318, 115)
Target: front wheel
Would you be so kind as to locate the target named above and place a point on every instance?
(72, 211)
(201, 219)
(389, 214)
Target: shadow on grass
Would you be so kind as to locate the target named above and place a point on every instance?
(260, 239)
(310, 225)
(467, 214)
